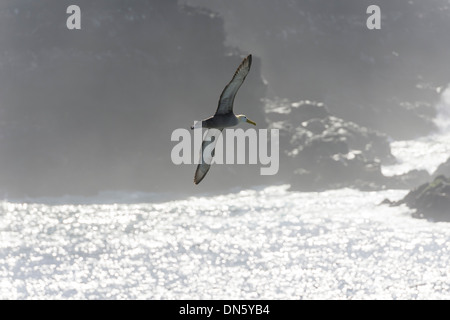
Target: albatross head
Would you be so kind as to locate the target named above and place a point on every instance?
(243, 118)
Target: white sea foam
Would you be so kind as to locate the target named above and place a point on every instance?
(425, 153)
(267, 243)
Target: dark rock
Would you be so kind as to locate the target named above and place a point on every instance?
(316, 126)
(324, 151)
(387, 202)
(307, 110)
(407, 180)
(431, 200)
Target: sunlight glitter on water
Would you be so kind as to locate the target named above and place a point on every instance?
(279, 245)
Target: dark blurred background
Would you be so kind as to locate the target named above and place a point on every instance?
(87, 110)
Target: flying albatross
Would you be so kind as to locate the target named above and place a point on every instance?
(224, 116)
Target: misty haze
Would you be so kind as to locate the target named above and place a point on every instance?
(94, 207)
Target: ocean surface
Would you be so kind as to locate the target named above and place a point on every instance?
(261, 243)
(255, 244)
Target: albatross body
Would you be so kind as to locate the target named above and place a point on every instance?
(224, 116)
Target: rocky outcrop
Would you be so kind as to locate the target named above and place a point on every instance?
(321, 151)
(430, 200)
(324, 151)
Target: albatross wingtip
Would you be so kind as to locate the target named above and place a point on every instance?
(249, 58)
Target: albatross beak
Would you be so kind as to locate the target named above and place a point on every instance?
(250, 121)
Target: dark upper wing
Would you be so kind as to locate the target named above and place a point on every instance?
(227, 97)
(200, 173)
(207, 154)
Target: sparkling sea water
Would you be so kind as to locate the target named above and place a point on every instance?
(255, 244)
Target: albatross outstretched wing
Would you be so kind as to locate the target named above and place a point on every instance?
(209, 143)
(227, 97)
